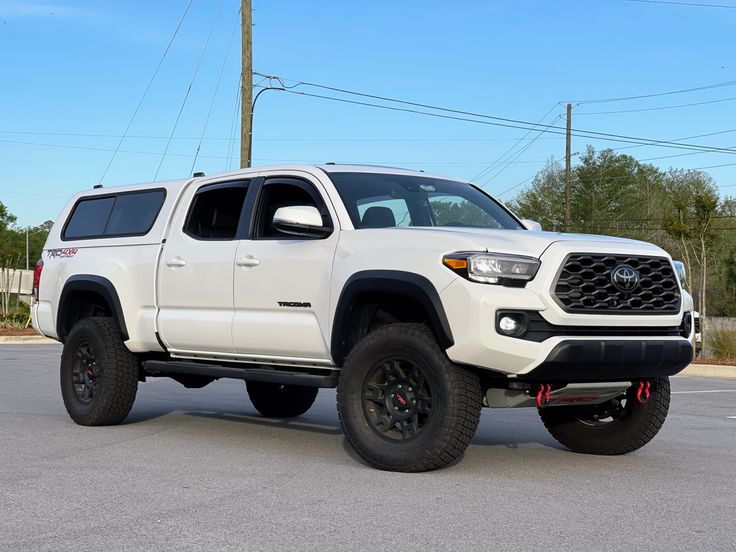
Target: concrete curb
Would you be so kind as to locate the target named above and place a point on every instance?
(710, 371)
(25, 340)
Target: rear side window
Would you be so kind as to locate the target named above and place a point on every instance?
(124, 214)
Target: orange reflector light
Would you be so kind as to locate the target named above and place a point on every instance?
(456, 264)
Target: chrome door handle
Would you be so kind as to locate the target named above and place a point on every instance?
(176, 262)
(247, 261)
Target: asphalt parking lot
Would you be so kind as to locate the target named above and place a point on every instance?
(200, 470)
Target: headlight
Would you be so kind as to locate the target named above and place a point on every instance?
(492, 268)
(680, 271)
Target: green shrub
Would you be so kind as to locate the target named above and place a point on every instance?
(13, 320)
(722, 343)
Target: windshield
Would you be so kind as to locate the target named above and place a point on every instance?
(392, 200)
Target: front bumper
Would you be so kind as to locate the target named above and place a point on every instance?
(472, 308)
(612, 360)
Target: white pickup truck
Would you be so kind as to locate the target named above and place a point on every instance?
(422, 299)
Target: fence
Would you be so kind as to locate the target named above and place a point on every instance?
(21, 281)
(721, 323)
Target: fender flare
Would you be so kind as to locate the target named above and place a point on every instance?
(95, 284)
(396, 282)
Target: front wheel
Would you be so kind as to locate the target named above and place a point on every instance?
(403, 405)
(615, 427)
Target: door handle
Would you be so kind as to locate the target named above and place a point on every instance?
(247, 261)
(176, 262)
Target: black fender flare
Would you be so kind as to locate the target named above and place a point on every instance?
(95, 284)
(396, 282)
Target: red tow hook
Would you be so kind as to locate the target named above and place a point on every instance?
(642, 391)
(543, 394)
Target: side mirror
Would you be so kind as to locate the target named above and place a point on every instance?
(532, 225)
(300, 220)
(680, 271)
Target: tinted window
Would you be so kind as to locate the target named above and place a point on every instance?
(89, 218)
(383, 212)
(215, 213)
(134, 213)
(385, 200)
(125, 214)
(279, 194)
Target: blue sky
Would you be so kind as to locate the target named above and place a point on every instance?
(72, 72)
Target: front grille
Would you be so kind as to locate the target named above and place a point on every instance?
(585, 285)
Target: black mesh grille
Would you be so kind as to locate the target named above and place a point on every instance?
(585, 285)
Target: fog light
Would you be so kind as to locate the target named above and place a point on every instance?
(511, 323)
(508, 325)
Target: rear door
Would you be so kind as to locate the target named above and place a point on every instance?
(282, 282)
(195, 287)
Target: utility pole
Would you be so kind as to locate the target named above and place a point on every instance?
(28, 264)
(568, 137)
(246, 88)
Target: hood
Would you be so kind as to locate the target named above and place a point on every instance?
(523, 242)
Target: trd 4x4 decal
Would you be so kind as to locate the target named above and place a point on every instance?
(61, 253)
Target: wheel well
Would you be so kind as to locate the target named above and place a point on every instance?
(83, 304)
(372, 310)
(84, 298)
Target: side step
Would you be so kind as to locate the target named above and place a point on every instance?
(268, 375)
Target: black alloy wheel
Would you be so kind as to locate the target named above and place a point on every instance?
(397, 399)
(85, 373)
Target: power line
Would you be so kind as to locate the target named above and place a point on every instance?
(525, 125)
(214, 95)
(189, 89)
(513, 146)
(689, 4)
(642, 96)
(655, 108)
(307, 161)
(513, 159)
(272, 139)
(148, 87)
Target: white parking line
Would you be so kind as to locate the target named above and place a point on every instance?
(731, 417)
(705, 391)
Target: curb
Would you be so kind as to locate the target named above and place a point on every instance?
(710, 371)
(25, 340)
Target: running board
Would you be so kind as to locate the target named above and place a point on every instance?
(267, 375)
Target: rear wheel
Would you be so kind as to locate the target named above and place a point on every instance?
(615, 427)
(403, 405)
(275, 400)
(99, 375)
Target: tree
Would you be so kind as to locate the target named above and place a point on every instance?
(678, 210)
(689, 221)
(611, 194)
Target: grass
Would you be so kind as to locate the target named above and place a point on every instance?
(721, 343)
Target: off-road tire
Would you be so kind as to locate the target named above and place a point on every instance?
(116, 382)
(639, 423)
(456, 401)
(275, 400)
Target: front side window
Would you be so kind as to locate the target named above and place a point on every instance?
(215, 212)
(390, 200)
(123, 214)
(279, 193)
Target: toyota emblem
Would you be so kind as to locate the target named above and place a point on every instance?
(625, 278)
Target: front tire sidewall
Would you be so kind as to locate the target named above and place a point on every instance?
(437, 443)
